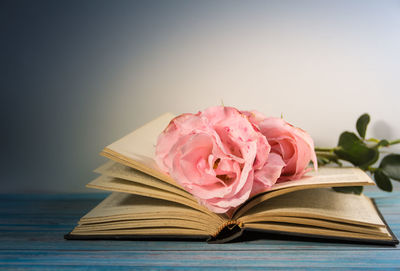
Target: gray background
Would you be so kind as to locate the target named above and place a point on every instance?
(77, 75)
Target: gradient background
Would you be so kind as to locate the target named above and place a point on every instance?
(77, 75)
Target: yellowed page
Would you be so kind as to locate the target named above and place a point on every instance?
(142, 224)
(120, 185)
(325, 177)
(147, 223)
(135, 208)
(137, 149)
(384, 235)
(321, 203)
(329, 176)
(322, 223)
(117, 170)
(167, 232)
(122, 204)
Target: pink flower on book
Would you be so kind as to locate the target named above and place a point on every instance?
(218, 156)
(293, 144)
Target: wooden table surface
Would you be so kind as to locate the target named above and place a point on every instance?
(32, 229)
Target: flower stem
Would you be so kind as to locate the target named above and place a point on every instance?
(372, 140)
(372, 169)
(397, 141)
(326, 155)
(324, 149)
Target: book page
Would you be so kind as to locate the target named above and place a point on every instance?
(137, 149)
(321, 203)
(325, 177)
(315, 222)
(329, 177)
(117, 170)
(146, 232)
(138, 206)
(188, 222)
(380, 234)
(120, 185)
(142, 212)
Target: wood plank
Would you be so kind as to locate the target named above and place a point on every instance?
(32, 229)
(230, 259)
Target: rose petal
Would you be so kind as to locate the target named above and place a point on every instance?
(294, 145)
(218, 155)
(266, 177)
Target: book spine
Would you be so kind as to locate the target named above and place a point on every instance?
(228, 231)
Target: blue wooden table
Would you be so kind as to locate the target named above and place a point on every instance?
(32, 229)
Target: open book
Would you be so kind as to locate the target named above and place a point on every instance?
(146, 203)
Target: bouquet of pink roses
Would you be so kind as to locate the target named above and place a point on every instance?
(223, 156)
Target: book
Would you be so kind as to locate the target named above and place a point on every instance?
(146, 203)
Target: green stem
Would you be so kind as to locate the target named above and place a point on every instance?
(397, 141)
(330, 156)
(324, 149)
(372, 169)
(373, 140)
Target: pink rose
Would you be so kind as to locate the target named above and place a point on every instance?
(294, 145)
(218, 156)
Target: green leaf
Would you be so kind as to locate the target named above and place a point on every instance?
(383, 181)
(390, 165)
(351, 148)
(349, 189)
(362, 124)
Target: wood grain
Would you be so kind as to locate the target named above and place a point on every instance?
(32, 229)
